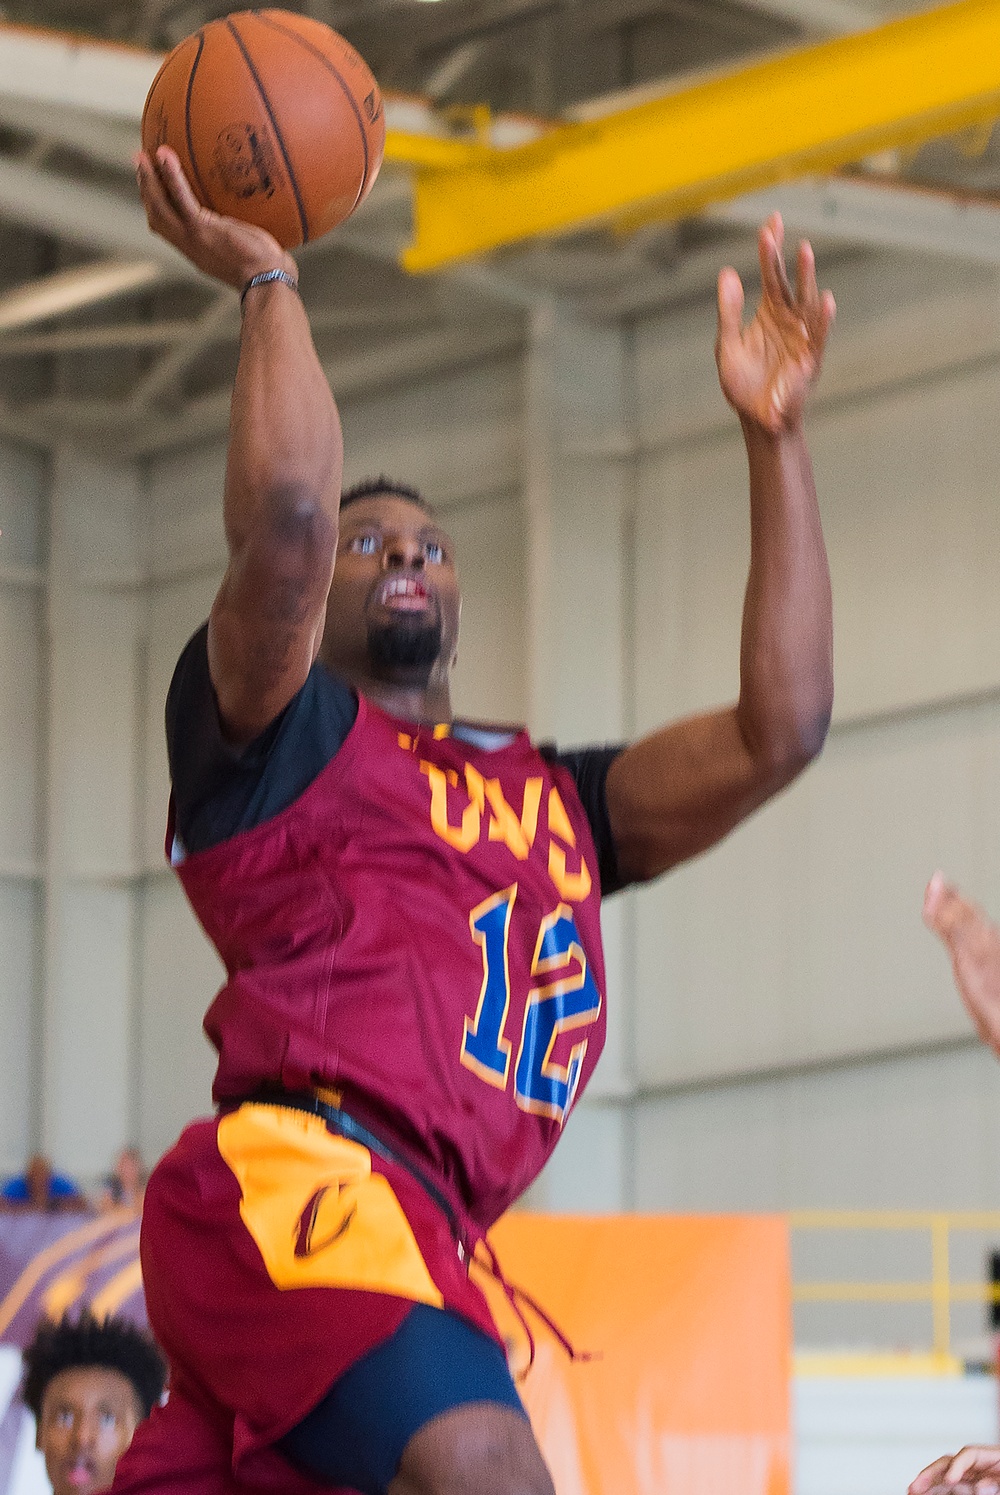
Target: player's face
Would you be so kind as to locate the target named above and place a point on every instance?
(394, 604)
(88, 1417)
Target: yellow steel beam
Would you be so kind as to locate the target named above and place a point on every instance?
(815, 109)
(434, 152)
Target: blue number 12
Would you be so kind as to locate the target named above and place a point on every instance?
(567, 1001)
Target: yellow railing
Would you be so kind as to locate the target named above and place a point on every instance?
(940, 1292)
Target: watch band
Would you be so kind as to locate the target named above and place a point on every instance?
(265, 278)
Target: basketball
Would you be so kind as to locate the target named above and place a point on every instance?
(276, 119)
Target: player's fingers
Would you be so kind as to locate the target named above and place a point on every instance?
(160, 212)
(772, 264)
(731, 300)
(946, 911)
(177, 186)
(806, 289)
(972, 1464)
(931, 1476)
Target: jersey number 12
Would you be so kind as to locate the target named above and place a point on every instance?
(560, 1000)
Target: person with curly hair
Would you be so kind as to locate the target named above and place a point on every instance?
(89, 1383)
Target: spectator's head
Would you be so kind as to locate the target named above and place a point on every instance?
(38, 1178)
(89, 1382)
(129, 1170)
(128, 1179)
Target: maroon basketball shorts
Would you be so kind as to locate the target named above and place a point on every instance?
(275, 1254)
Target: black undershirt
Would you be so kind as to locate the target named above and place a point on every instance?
(220, 790)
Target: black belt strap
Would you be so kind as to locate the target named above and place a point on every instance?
(345, 1125)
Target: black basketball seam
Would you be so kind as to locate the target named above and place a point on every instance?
(171, 57)
(304, 221)
(294, 36)
(206, 196)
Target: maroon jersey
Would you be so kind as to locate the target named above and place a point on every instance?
(418, 930)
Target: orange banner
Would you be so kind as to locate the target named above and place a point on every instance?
(689, 1320)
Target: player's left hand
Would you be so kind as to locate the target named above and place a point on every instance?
(766, 368)
(974, 1471)
(973, 942)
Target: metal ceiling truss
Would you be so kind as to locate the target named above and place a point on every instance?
(632, 170)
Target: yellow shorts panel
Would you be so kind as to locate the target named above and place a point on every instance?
(319, 1216)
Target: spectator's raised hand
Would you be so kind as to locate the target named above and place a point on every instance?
(973, 1471)
(973, 942)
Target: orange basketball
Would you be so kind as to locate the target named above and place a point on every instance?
(276, 120)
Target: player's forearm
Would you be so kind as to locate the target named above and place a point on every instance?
(285, 449)
(786, 660)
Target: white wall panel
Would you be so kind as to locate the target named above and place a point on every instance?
(910, 485)
(23, 479)
(692, 538)
(90, 1068)
(451, 436)
(910, 1133)
(102, 666)
(491, 676)
(21, 724)
(20, 921)
(589, 1173)
(184, 507)
(800, 937)
(180, 974)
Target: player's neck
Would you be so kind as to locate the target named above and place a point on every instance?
(413, 703)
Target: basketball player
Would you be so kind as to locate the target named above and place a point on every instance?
(408, 910)
(89, 1382)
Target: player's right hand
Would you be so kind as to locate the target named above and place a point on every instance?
(225, 248)
(973, 942)
(974, 1471)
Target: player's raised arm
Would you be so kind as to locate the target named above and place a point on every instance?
(284, 464)
(675, 793)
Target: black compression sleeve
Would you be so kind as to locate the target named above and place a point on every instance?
(589, 767)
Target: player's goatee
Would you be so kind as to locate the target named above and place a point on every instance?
(404, 644)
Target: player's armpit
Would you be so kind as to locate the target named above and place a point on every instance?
(675, 793)
(267, 620)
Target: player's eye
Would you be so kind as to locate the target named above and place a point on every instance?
(434, 552)
(63, 1417)
(363, 544)
(108, 1422)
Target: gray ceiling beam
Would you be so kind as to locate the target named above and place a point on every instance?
(860, 211)
(822, 17)
(134, 336)
(221, 316)
(84, 214)
(108, 140)
(138, 434)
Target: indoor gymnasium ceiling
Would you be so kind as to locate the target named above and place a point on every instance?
(147, 362)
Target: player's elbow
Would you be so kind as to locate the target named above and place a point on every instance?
(290, 527)
(297, 517)
(785, 752)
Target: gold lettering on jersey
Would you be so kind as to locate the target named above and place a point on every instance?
(462, 837)
(572, 885)
(517, 834)
(487, 801)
